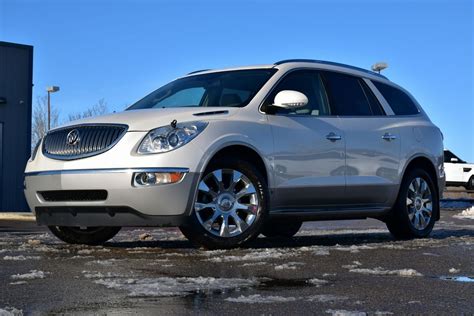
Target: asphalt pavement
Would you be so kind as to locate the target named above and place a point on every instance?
(329, 268)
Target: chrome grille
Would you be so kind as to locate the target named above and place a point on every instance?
(81, 141)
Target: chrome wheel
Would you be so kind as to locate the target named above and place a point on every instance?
(419, 203)
(227, 203)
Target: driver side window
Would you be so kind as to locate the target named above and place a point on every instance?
(309, 83)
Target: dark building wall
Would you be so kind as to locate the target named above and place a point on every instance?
(16, 81)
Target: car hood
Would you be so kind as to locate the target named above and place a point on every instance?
(147, 119)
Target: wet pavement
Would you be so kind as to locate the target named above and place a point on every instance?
(339, 268)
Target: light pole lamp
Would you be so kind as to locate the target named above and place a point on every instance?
(50, 90)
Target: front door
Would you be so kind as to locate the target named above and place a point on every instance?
(308, 158)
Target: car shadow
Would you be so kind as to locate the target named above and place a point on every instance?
(349, 239)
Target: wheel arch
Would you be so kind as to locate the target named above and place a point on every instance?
(425, 163)
(239, 149)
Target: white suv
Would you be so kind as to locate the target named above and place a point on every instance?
(458, 172)
(229, 154)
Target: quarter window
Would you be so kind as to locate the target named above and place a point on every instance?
(398, 100)
(347, 95)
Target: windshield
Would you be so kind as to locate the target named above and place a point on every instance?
(228, 88)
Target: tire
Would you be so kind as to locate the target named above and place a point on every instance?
(89, 236)
(470, 183)
(225, 215)
(411, 216)
(273, 228)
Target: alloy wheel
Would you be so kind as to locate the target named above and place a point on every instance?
(227, 203)
(419, 203)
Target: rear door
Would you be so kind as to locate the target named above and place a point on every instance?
(372, 140)
(308, 158)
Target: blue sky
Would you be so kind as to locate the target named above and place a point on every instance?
(121, 50)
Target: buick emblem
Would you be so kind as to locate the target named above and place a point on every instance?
(73, 137)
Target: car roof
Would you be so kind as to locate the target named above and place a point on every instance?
(302, 63)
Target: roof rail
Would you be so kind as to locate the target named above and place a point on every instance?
(196, 71)
(329, 63)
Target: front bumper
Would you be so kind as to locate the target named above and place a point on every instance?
(125, 204)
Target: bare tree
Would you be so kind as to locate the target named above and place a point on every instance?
(39, 126)
(99, 108)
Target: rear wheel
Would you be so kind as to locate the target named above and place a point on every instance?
(417, 206)
(230, 206)
(279, 228)
(86, 235)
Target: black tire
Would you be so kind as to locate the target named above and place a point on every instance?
(198, 235)
(280, 228)
(88, 236)
(470, 183)
(399, 223)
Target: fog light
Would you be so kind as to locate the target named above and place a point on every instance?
(153, 178)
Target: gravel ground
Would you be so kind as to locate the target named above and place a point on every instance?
(338, 268)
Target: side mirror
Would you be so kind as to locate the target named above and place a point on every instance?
(454, 160)
(289, 99)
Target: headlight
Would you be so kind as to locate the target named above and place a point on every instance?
(168, 138)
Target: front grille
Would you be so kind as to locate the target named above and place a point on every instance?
(81, 141)
(74, 195)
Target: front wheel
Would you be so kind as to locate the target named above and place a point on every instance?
(417, 206)
(85, 236)
(230, 205)
(470, 183)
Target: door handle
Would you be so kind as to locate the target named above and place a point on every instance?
(333, 137)
(389, 137)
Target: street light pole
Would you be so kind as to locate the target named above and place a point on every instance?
(50, 90)
(49, 110)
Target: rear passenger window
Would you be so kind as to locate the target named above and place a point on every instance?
(398, 100)
(347, 95)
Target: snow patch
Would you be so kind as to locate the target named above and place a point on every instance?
(21, 258)
(18, 283)
(107, 262)
(145, 237)
(251, 264)
(165, 286)
(289, 266)
(259, 299)
(10, 311)
(341, 312)
(84, 252)
(454, 270)
(32, 275)
(33, 242)
(381, 271)
(317, 282)
(100, 275)
(466, 214)
(324, 298)
(354, 265)
(354, 248)
(262, 254)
